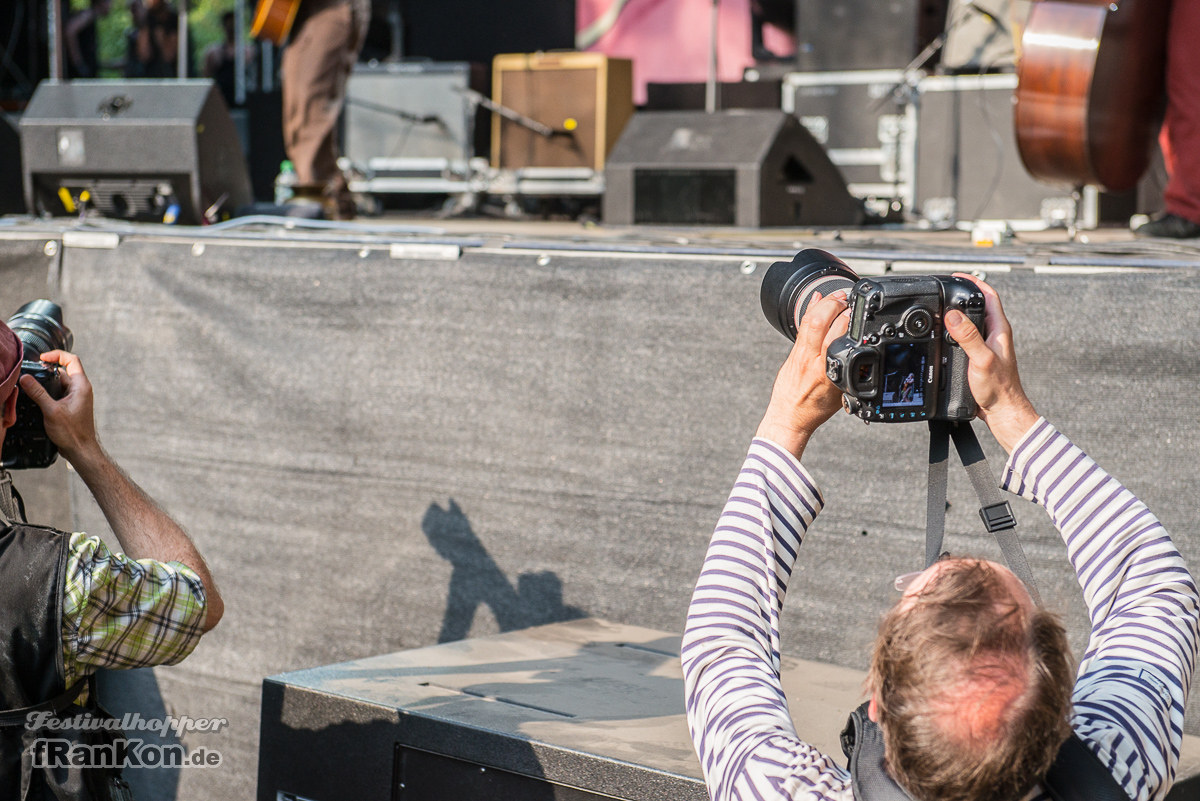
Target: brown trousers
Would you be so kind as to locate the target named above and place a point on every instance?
(326, 38)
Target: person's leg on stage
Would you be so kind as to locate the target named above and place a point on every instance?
(1181, 127)
(314, 71)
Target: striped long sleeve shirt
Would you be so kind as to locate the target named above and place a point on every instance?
(1133, 679)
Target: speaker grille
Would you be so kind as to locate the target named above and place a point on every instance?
(685, 196)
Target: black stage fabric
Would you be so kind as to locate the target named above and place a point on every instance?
(381, 453)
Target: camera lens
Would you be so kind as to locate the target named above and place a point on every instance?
(788, 286)
(917, 322)
(39, 326)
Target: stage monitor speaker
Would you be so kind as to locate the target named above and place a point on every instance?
(585, 99)
(10, 168)
(836, 35)
(144, 150)
(741, 167)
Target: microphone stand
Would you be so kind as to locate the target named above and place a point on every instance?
(54, 20)
(712, 90)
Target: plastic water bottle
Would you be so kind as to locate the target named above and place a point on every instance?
(285, 183)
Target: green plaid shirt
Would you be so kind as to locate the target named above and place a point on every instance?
(120, 612)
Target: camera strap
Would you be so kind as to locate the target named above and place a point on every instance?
(994, 510)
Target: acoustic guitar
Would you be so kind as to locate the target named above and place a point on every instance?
(1090, 90)
(273, 20)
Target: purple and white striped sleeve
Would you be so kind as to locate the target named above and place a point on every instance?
(1135, 675)
(736, 709)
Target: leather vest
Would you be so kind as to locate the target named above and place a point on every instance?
(32, 564)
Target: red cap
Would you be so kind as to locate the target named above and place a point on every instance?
(11, 352)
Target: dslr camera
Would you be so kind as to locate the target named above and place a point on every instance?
(896, 363)
(39, 326)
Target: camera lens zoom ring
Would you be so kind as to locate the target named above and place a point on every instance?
(826, 285)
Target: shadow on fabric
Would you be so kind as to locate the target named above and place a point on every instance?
(477, 581)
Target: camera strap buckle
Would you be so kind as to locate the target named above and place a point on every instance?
(997, 517)
(994, 510)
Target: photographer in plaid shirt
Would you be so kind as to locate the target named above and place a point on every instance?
(69, 606)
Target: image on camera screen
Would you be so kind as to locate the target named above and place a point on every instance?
(903, 367)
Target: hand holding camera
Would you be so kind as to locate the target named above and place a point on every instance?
(802, 397)
(992, 373)
(917, 347)
(68, 418)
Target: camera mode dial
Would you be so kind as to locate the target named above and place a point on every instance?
(917, 322)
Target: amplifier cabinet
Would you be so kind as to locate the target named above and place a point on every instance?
(584, 98)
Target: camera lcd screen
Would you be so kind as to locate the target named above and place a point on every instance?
(903, 377)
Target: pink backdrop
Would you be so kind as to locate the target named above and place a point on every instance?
(668, 40)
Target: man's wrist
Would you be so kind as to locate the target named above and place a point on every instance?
(87, 460)
(790, 438)
(1009, 425)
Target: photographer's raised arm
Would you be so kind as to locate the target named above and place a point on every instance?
(802, 397)
(992, 374)
(1134, 678)
(736, 707)
(144, 530)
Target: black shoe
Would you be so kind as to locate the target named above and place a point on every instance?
(1171, 226)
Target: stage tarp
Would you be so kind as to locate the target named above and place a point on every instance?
(378, 452)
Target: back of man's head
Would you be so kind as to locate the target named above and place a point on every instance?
(972, 688)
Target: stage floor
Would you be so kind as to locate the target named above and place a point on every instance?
(874, 248)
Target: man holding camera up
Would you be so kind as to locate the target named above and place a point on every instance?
(970, 682)
(69, 606)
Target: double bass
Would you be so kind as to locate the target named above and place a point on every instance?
(1090, 90)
